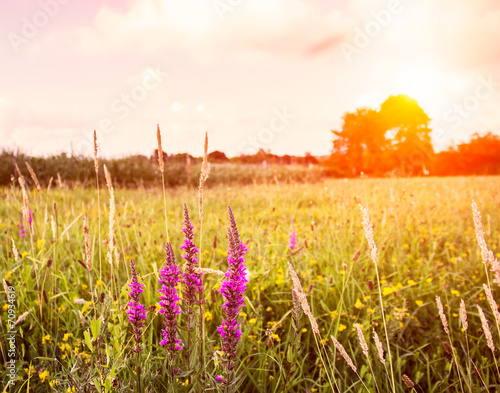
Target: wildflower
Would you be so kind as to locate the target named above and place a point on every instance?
(22, 231)
(169, 278)
(419, 302)
(358, 304)
(293, 237)
(67, 336)
(233, 287)
(46, 339)
(192, 280)
(44, 375)
(136, 312)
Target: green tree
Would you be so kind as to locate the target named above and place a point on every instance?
(407, 126)
(361, 145)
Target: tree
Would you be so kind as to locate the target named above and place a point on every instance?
(361, 145)
(408, 126)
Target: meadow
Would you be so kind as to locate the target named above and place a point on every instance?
(76, 335)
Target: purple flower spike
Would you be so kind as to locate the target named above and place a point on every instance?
(233, 287)
(169, 278)
(293, 237)
(193, 282)
(136, 312)
(22, 231)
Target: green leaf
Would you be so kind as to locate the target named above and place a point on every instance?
(88, 341)
(95, 327)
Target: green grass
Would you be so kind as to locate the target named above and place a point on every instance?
(423, 229)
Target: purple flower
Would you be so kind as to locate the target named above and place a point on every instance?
(293, 237)
(136, 311)
(22, 231)
(233, 287)
(193, 282)
(169, 278)
(293, 240)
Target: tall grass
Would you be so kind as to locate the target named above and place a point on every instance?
(78, 337)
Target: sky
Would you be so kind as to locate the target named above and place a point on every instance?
(271, 74)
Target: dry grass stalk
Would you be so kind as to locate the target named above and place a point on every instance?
(203, 177)
(297, 250)
(53, 226)
(368, 228)
(96, 159)
(407, 381)
(21, 318)
(487, 255)
(486, 330)
(344, 354)
(463, 315)
(160, 150)
(33, 176)
(70, 225)
(200, 270)
(19, 174)
(14, 250)
(361, 339)
(59, 180)
(444, 320)
(6, 288)
(86, 233)
(380, 348)
(297, 286)
(50, 184)
(493, 303)
(112, 211)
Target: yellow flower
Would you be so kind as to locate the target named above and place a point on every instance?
(5, 307)
(243, 315)
(334, 314)
(54, 382)
(455, 292)
(276, 337)
(271, 377)
(269, 309)
(67, 336)
(358, 304)
(44, 375)
(411, 282)
(406, 246)
(29, 371)
(253, 321)
(342, 327)
(208, 316)
(40, 243)
(25, 254)
(46, 339)
(313, 262)
(429, 280)
(419, 302)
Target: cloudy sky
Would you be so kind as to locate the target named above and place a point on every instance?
(276, 74)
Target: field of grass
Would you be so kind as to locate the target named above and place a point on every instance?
(73, 341)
